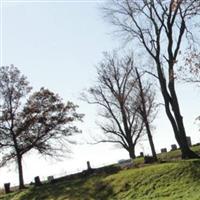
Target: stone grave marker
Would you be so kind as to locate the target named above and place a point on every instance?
(37, 181)
(7, 188)
(173, 147)
(164, 150)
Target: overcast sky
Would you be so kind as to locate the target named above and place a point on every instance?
(57, 44)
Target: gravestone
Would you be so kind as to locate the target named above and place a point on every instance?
(163, 150)
(173, 147)
(189, 141)
(141, 154)
(7, 188)
(37, 181)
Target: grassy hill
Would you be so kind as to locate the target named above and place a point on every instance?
(173, 180)
(167, 181)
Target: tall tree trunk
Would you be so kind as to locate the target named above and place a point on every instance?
(145, 117)
(131, 152)
(174, 115)
(20, 171)
(153, 151)
(185, 150)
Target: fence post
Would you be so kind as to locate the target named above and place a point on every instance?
(88, 166)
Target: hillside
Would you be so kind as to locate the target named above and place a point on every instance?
(170, 181)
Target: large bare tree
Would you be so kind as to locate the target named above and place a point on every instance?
(42, 123)
(117, 95)
(160, 27)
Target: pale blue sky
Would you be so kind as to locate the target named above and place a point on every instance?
(57, 45)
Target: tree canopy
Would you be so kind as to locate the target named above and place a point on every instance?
(160, 27)
(41, 121)
(118, 93)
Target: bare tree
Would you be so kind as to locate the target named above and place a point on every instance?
(160, 27)
(117, 96)
(43, 123)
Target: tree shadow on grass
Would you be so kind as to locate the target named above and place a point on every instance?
(93, 188)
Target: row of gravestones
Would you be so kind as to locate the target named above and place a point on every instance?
(38, 182)
(173, 147)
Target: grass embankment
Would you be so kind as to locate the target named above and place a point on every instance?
(168, 181)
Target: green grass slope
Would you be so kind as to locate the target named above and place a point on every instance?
(167, 181)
